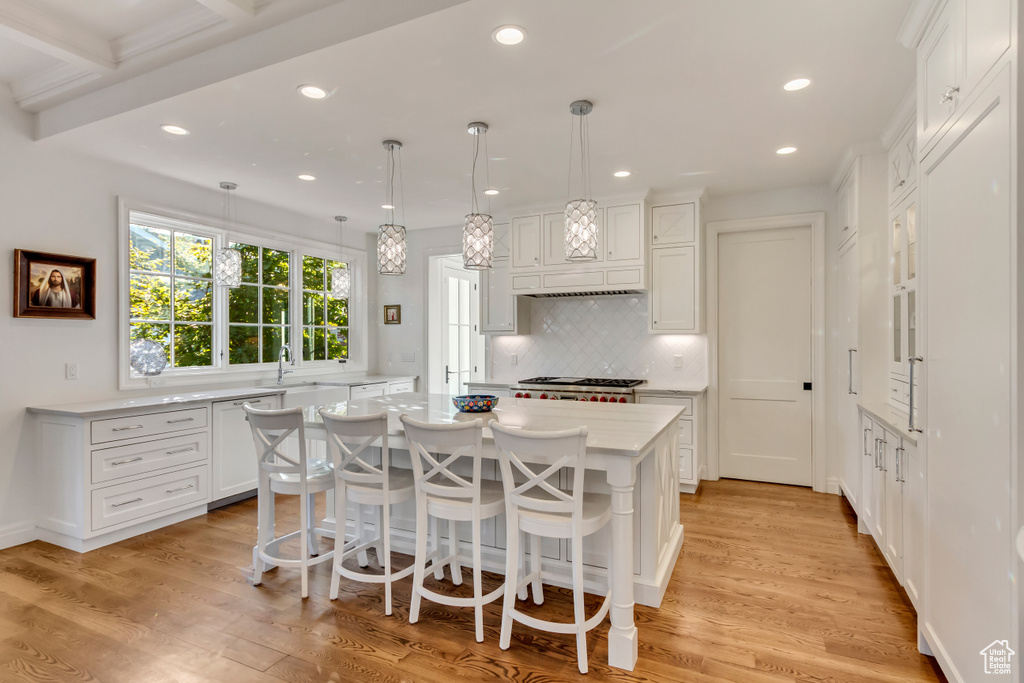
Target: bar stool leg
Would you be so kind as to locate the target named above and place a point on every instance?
(339, 536)
(420, 560)
(478, 607)
(513, 559)
(436, 549)
(453, 548)
(577, 601)
(538, 585)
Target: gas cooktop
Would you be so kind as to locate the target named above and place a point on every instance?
(584, 382)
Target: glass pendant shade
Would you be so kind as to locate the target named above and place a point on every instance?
(147, 357)
(341, 283)
(391, 248)
(478, 241)
(228, 268)
(581, 230)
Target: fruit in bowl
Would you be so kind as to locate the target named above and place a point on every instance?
(475, 403)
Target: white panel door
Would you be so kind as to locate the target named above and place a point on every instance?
(764, 355)
(968, 294)
(849, 373)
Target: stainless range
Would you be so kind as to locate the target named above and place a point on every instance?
(594, 389)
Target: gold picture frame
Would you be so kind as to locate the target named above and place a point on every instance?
(393, 315)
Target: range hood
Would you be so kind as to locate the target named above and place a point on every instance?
(610, 292)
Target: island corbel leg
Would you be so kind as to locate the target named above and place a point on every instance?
(622, 637)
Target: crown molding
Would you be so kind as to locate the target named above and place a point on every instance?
(54, 36)
(177, 30)
(50, 82)
(914, 24)
(232, 10)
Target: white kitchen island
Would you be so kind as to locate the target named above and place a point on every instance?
(634, 446)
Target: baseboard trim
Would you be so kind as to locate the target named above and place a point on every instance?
(832, 485)
(17, 534)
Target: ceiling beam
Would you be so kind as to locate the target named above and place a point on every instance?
(54, 36)
(232, 10)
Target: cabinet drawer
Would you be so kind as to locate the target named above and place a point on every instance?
(132, 427)
(685, 464)
(137, 499)
(686, 432)
(401, 387)
(123, 461)
(684, 401)
(368, 390)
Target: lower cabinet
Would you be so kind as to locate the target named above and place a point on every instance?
(691, 433)
(893, 502)
(233, 469)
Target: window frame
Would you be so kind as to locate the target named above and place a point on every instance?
(222, 371)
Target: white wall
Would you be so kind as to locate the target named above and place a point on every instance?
(411, 293)
(58, 202)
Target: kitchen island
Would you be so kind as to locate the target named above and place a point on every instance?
(634, 446)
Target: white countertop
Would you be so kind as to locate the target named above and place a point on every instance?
(620, 429)
(89, 408)
(669, 389)
(92, 408)
(894, 420)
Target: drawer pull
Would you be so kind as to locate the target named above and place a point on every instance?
(180, 488)
(127, 502)
(183, 419)
(180, 450)
(242, 403)
(121, 429)
(125, 462)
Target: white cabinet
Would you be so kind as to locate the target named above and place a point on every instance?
(965, 40)
(692, 462)
(368, 390)
(893, 469)
(903, 164)
(402, 386)
(914, 477)
(525, 238)
(501, 312)
(233, 470)
(538, 265)
(848, 200)
(847, 374)
(502, 241)
(101, 479)
(903, 300)
(869, 464)
(676, 286)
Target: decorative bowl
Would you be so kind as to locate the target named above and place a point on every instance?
(475, 403)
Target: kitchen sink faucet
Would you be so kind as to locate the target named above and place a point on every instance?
(281, 372)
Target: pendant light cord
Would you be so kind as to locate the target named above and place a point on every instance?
(475, 208)
(487, 173)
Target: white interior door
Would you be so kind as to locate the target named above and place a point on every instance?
(764, 355)
(461, 343)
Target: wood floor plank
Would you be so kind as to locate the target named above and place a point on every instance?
(773, 585)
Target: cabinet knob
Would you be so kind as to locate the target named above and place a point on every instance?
(655, 238)
(950, 93)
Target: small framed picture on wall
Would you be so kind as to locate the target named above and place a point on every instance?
(54, 286)
(393, 315)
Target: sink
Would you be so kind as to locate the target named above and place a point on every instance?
(312, 393)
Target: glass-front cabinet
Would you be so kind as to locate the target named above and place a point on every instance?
(903, 296)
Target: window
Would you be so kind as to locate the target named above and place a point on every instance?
(209, 332)
(258, 309)
(324, 318)
(171, 292)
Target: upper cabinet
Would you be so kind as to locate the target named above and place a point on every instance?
(848, 203)
(676, 299)
(539, 266)
(964, 41)
(903, 165)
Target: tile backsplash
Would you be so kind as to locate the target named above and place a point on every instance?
(598, 336)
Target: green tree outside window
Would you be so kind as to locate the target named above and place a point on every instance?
(324, 318)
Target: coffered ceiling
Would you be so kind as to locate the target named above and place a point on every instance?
(687, 93)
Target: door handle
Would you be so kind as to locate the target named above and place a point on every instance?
(447, 374)
(910, 408)
(849, 357)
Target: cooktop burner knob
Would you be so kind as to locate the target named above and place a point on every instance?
(604, 399)
(593, 398)
(519, 394)
(526, 395)
(622, 399)
(543, 395)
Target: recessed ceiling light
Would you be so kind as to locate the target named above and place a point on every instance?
(509, 34)
(797, 84)
(312, 92)
(492, 192)
(306, 176)
(785, 150)
(174, 130)
(387, 207)
(622, 174)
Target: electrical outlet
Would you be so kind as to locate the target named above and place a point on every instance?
(157, 381)
(677, 361)
(71, 371)
(515, 358)
(408, 357)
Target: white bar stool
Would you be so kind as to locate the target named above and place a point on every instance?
(542, 510)
(289, 475)
(442, 493)
(349, 439)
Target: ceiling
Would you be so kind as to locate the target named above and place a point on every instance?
(686, 93)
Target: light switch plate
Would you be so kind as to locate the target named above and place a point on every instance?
(677, 361)
(515, 358)
(71, 371)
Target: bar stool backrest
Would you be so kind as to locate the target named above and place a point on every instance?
(350, 439)
(271, 429)
(435, 449)
(537, 457)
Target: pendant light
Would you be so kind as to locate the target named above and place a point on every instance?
(341, 278)
(478, 234)
(391, 246)
(227, 270)
(581, 214)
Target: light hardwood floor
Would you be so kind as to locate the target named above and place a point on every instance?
(774, 585)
